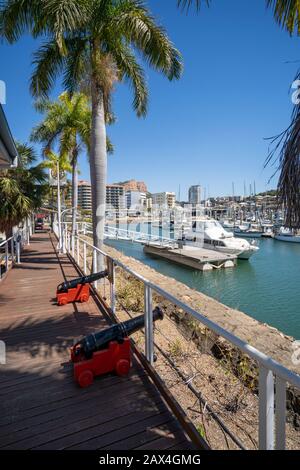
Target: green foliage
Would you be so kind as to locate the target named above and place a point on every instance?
(176, 349)
(130, 293)
(286, 13)
(22, 189)
(201, 430)
(92, 40)
(67, 121)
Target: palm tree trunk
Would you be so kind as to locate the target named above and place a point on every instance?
(98, 169)
(74, 191)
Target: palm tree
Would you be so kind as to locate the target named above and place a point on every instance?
(22, 190)
(94, 43)
(59, 165)
(67, 121)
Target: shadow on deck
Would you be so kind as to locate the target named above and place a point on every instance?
(41, 407)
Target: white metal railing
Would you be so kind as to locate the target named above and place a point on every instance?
(117, 233)
(10, 249)
(273, 377)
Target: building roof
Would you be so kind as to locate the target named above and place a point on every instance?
(8, 150)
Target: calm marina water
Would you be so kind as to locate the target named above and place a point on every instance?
(267, 287)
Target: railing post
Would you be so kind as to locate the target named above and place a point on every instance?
(73, 244)
(77, 250)
(18, 251)
(280, 412)
(84, 258)
(6, 257)
(95, 266)
(149, 350)
(63, 238)
(111, 277)
(266, 409)
(68, 242)
(12, 250)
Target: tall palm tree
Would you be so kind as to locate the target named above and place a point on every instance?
(59, 165)
(22, 190)
(67, 121)
(94, 43)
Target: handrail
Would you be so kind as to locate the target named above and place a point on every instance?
(269, 369)
(16, 241)
(6, 241)
(137, 236)
(268, 362)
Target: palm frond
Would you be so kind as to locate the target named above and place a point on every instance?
(136, 24)
(27, 155)
(48, 63)
(285, 153)
(286, 13)
(133, 73)
(75, 66)
(18, 17)
(186, 4)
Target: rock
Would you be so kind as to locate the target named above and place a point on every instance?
(296, 421)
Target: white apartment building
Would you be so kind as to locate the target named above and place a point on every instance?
(165, 199)
(135, 200)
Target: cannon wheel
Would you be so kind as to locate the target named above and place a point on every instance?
(86, 378)
(63, 301)
(122, 367)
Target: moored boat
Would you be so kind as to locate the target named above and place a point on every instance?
(287, 235)
(209, 234)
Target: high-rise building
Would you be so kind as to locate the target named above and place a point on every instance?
(115, 197)
(84, 195)
(135, 200)
(165, 199)
(195, 194)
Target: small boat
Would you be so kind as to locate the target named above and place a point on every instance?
(287, 235)
(248, 230)
(228, 224)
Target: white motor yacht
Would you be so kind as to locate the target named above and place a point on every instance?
(210, 234)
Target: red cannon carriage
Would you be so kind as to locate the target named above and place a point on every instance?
(106, 351)
(77, 290)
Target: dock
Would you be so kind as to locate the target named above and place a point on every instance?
(41, 405)
(192, 257)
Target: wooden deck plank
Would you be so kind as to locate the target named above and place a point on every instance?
(40, 405)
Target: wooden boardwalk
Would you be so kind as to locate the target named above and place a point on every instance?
(40, 405)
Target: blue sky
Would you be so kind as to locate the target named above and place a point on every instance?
(210, 126)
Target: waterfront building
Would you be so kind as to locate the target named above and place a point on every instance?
(8, 151)
(135, 200)
(165, 199)
(85, 195)
(195, 194)
(115, 197)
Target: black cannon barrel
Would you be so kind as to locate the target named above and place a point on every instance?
(64, 286)
(97, 341)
